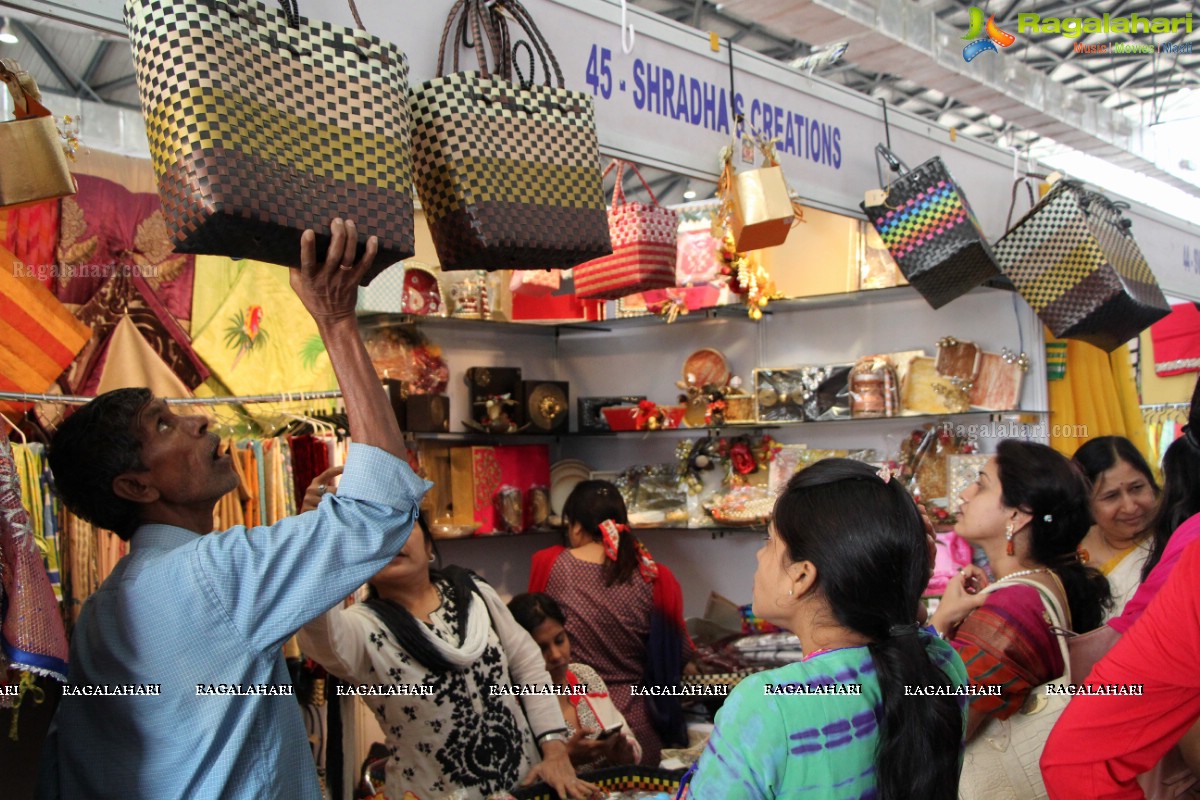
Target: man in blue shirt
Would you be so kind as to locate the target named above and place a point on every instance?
(188, 609)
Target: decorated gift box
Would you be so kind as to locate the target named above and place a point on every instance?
(494, 483)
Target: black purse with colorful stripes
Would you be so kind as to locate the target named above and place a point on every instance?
(927, 225)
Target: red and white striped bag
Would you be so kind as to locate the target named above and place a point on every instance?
(644, 247)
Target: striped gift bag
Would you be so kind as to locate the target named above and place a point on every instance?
(644, 247)
(39, 337)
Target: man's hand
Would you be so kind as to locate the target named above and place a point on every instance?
(620, 749)
(321, 485)
(329, 290)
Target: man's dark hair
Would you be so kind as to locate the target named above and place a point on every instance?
(90, 449)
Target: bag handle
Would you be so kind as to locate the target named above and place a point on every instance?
(619, 188)
(519, 13)
(24, 90)
(893, 161)
(487, 19)
(1025, 180)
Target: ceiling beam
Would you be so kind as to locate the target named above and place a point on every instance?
(98, 56)
(71, 85)
(117, 83)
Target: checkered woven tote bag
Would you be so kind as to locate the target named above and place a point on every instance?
(1074, 260)
(645, 246)
(928, 227)
(263, 123)
(508, 172)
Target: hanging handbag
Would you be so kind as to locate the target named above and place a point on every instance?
(508, 172)
(1075, 262)
(263, 124)
(645, 246)
(928, 227)
(1001, 762)
(35, 165)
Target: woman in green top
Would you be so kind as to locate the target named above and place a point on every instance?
(872, 711)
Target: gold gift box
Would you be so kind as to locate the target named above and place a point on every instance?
(762, 209)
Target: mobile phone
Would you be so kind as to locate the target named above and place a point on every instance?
(608, 733)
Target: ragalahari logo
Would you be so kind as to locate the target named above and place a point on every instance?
(984, 37)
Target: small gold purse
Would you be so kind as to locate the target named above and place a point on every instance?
(35, 165)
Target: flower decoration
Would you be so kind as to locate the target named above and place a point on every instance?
(648, 416)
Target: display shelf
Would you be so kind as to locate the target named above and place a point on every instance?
(734, 429)
(864, 298)
(716, 532)
(731, 429)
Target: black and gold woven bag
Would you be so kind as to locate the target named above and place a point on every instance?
(614, 779)
(508, 172)
(1075, 262)
(263, 123)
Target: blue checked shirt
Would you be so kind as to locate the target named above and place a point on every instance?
(183, 610)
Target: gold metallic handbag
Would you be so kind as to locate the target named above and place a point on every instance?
(35, 164)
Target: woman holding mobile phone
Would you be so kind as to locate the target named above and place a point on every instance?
(598, 735)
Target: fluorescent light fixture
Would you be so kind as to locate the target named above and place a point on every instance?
(6, 34)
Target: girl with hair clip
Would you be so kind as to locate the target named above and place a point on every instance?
(624, 612)
(1124, 501)
(1028, 510)
(871, 710)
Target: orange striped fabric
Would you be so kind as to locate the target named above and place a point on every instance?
(39, 337)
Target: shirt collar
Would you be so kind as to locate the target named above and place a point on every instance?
(156, 536)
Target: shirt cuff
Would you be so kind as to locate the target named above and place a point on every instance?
(376, 476)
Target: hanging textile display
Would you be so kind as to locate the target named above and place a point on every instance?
(31, 233)
(263, 123)
(1096, 397)
(131, 296)
(32, 638)
(258, 335)
(493, 201)
(106, 231)
(1176, 339)
(38, 336)
(129, 362)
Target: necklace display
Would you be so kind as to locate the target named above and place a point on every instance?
(1022, 573)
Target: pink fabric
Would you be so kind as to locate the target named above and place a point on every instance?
(953, 552)
(1183, 536)
(31, 632)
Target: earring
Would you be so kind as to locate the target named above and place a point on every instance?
(1009, 547)
(434, 558)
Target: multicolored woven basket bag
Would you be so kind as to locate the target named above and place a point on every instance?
(262, 124)
(1074, 260)
(644, 242)
(927, 225)
(508, 172)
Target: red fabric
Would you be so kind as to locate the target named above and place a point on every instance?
(1176, 339)
(1102, 743)
(32, 236)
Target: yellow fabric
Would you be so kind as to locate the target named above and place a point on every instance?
(1097, 397)
(275, 346)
